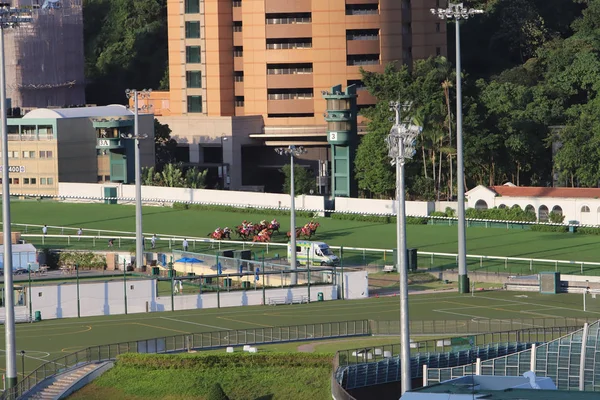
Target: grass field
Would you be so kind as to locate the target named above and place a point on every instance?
(50, 339)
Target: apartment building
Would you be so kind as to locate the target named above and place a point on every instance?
(48, 146)
(272, 59)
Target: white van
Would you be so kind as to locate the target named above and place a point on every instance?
(318, 253)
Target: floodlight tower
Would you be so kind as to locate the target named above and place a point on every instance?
(137, 136)
(458, 12)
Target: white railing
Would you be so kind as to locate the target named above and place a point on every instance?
(177, 240)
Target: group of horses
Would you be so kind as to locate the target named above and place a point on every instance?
(263, 231)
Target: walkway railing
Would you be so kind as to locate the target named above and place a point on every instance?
(187, 342)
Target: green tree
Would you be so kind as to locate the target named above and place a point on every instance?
(195, 179)
(304, 181)
(165, 146)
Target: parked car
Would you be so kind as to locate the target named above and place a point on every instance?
(20, 271)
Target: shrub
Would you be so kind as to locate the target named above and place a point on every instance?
(549, 228)
(83, 259)
(417, 220)
(556, 218)
(195, 361)
(216, 393)
(364, 218)
(588, 230)
(502, 214)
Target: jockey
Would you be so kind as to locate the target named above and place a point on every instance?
(263, 222)
(226, 230)
(274, 222)
(218, 230)
(245, 224)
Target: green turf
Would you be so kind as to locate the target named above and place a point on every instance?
(433, 238)
(49, 339)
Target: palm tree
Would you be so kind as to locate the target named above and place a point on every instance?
(446, 85)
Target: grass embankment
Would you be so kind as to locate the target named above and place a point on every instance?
(191, 376)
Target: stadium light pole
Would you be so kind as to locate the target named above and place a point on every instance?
(292, 151)
(401, 145)
(137, 136)
(9, 18)
(457, 11)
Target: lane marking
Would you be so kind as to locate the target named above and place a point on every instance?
(158, 327)
(245, 322)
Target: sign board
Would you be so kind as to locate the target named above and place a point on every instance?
(18, 169)
(333, 136)
(103, 142)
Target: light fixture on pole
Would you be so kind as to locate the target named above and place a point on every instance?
(137, 136)
(292, 151)
(458, 12)
(401, 145)
(9, 18)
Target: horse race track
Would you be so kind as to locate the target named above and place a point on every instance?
(434, 238)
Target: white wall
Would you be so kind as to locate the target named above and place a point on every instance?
(356, 285)
(107, 298)
(252, 199)
(374, 206)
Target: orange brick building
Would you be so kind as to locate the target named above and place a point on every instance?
(252, 71)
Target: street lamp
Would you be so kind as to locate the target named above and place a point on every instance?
(9, 18)
(401, 145)
(144, 94)
(292, 151)
(223, 139)
(458, 12)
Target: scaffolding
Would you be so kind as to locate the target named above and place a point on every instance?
(45, 57)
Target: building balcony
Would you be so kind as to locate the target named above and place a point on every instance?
(238, 63)
(238, 38)
(289, 80)
(288, 31)
(362, 47)
(285, 56)
(287, 6)
(291, 106)
(238, 88)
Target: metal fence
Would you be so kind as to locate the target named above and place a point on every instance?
(474, 326)
(186, 342)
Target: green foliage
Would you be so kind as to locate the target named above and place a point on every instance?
(174, 175)
(588, 230)
(227, 360)
(165, 146)
(549, 228)
(51, 258)
(502, 214)
(556, 218)
(83, 259)
(242, 210)
(125, 47)
(216, 393)
(364, 218)
(304, 181)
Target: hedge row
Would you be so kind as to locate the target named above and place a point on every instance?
(195, 361)
(243, 210)
(588, 230)
(549, 228)
(379, 218)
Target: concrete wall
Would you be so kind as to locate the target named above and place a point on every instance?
(373, 206)
(107, 298)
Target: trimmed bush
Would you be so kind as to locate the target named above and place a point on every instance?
(549, 228)
(502, 214)
(195, 361)
(363, 218)
(416, 220)
(588, 230)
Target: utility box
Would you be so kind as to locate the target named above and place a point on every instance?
(550, 282)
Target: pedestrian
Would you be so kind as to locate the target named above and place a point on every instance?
(79, 233)
(45, 229)
(185, 244)
(153, 241)
(111, 242)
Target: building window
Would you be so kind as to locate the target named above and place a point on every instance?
(237, 26)
(438, 27)
(289, 94)
(362, 9)
(438, 51)
(50, 181)
(237, 3)
(107, 178)
(239, 101)
(362, 34)
(193, 79)
(16, 181)
(13, 154)
(192, 29)
(99, 178)
(362, 59)
(33, 181)
(192, 6)
(29, 154)
(293, 43)
(45, 154)
(42, 181)
(291, 18)
(289, 69)
(48, 154)
(238, 51)
(238, 76)
(194, 104)
(192, 54)
(26, 181)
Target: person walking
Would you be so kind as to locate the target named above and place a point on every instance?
(153, 241)
(79, 233)
(45, 230)
(185, 245)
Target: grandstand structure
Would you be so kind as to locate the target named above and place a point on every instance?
(571, 361)
(45, 57)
